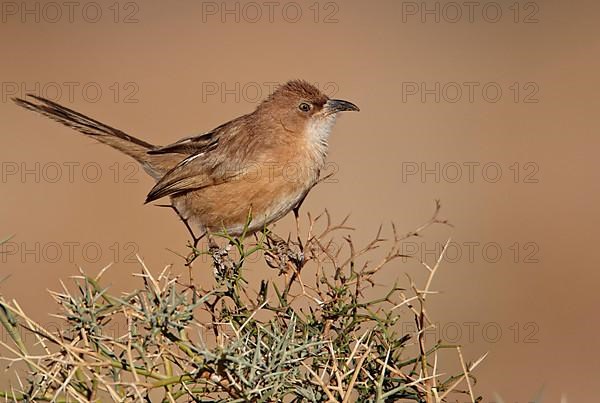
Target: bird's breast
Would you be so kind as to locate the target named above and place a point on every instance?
(266, 191)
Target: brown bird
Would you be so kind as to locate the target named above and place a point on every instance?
(240, 176)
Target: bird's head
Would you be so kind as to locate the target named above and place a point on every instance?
(302, 109)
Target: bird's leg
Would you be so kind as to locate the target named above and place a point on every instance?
(296, 211)
(195, 239)
(282, 248)
(213, 246)
(193, 244)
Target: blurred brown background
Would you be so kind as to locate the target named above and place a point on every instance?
(490, 107)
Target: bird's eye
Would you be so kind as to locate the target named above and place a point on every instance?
(304, 107)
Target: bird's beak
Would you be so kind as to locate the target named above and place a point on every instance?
(337, 105)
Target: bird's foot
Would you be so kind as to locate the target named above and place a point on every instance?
(281, 254)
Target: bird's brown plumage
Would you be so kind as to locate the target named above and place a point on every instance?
(260, 164)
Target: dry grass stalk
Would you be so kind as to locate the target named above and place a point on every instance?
(313, 334)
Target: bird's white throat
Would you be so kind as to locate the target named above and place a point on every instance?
(319, 129)
(318, 132)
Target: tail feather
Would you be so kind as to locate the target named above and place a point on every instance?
(155, 166)
(76, 120)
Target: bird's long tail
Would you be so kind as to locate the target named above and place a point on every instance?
(155, 165)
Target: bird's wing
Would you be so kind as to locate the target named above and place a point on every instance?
(206, 165)
(191, 145)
